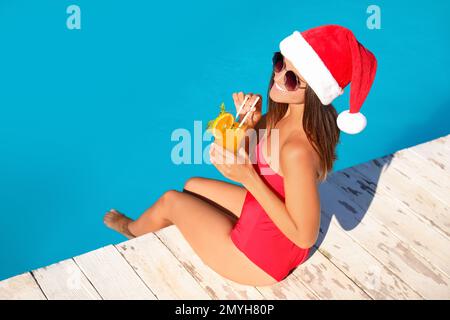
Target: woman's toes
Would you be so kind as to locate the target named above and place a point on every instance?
(118, 221)
(109, 217)
(116, 211)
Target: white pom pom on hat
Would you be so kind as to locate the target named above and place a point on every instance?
(351, 123)
(329, 58)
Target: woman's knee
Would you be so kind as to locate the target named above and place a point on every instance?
(166, 203)
(192, 183)
(169, 197)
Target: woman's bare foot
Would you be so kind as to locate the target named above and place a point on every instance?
(119, 222)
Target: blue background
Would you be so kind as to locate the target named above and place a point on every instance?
(86, 116)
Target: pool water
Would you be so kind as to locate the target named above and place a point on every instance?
(86, 116)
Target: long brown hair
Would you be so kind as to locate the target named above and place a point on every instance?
(319, 124)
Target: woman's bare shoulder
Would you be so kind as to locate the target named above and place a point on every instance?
(298, 148)
(295, 145)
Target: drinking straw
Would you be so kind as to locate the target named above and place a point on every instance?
(242, 105)
(248, 113)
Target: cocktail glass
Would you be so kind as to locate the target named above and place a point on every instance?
(231, 138)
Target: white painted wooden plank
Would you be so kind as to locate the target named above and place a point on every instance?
(356, 262)
(112, 276)
(434, 153)
(394, 183)
(364, 269)
(442, 142)
(394, 253)
(326, 280)
(384, 177)
(222, 288)
(21, 287)
(289, 289)
(217, 286)
(160, 270)
(399, 219)
(432, 178)
(65, 281)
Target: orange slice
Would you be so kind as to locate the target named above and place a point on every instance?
(226, 131)
(222, 123)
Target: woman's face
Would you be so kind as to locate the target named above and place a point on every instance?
(280, 94)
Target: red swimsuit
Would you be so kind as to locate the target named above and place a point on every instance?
(258, 237)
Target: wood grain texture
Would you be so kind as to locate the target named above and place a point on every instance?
(214, 284)
(64, 280)
(21, 287)
(390, 250)
(387, 180)
(160, 270)
(288, 289)
(326, 280)
(112, 276)
(432, 178)
(355, 261)
(412, 229)
(435, 152)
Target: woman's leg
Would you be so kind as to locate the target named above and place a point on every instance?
(207, 230)
(228, 196)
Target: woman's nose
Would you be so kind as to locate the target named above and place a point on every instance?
(278, 76)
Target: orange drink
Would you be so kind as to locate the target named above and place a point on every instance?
(226, 130)
(232, 138)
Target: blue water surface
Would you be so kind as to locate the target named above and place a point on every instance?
(86, 116)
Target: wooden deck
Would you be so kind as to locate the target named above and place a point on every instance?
(385, 234)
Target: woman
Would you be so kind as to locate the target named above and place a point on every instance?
(258, 233)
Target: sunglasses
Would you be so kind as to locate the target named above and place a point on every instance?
(291, 81)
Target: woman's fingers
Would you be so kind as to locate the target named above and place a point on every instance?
(220, 155)
(236, 100)
(246, 108)
(259, 103)
(239, 98)
(254, 106)
(241, 101)
(215, 154)
(252, 102)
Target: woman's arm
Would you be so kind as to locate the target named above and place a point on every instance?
(299, 216)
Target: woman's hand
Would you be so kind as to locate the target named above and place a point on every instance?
(252, 119)
(235, 167)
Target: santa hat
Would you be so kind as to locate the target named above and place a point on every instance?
(329, 58)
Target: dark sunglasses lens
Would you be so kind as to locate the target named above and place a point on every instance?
(277, 62)
(291, 80)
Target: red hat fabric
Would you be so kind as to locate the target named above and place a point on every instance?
(329, 58)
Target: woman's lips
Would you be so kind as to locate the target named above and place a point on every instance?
(279, 88)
